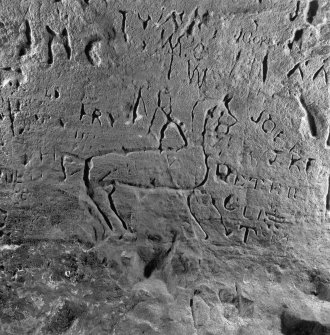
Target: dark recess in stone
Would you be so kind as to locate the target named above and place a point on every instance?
(296, 38)
(294, 16)
(265, 67)
(312, 11)
(292, 325)
(154, 264)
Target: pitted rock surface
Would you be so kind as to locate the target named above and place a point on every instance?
(165, 167)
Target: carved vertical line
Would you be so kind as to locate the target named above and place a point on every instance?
(310, 117)
(265, 67)
(327, 202)
(51, 35)
(123, 24)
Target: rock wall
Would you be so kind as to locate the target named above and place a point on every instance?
(164, 167)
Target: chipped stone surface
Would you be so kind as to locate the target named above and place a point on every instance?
(165, 167)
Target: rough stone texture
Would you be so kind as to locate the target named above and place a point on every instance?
(165, 167)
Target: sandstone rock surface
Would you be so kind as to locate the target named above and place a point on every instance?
(164, 167)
